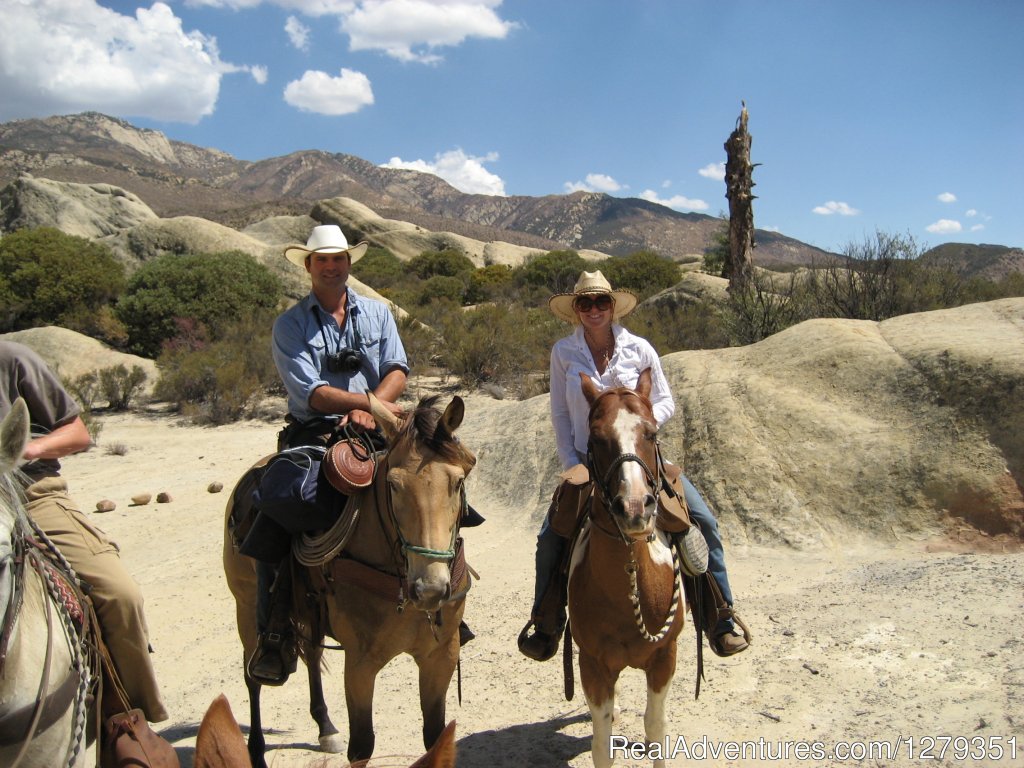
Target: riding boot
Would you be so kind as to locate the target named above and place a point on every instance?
(276, 654)
(550, 594)
(717, 618)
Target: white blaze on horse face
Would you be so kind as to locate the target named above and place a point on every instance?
(627, 426)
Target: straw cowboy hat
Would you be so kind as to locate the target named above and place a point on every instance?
(591, 284)
(326, 238)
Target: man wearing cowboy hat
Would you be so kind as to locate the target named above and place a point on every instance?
(335, 345)
(330, 349)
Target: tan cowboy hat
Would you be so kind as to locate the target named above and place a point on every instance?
(591, 283)
(326, 238)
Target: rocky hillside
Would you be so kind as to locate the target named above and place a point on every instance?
(178, 179)
(993, 262)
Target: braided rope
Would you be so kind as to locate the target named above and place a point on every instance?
(634, 598)
(84, 665)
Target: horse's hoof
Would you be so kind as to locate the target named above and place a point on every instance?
(333, 744)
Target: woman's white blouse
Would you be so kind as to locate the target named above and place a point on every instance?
(569, 408)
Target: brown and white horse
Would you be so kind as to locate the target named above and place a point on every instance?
(44, 675)
(403, 599)
(625, 603)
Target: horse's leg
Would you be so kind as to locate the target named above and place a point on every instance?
(360, 679)
(435, 672)
(599, 683)
(660, 672)
(330, 739)
(257, 745)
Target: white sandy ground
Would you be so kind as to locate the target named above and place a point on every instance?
(850, 646)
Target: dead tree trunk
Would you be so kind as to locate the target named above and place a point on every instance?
(739, 183)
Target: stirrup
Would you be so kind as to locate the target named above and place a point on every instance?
(271, 663)
(540, 646)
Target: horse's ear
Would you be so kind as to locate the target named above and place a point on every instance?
(453, 415)
(643, 384)
(14, 433)
(589, 388)
(442, 754)
(220, 743)
(386, 420)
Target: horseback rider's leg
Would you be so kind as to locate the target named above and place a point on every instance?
(725, 639)
(549, 596)
(276, 654)
(115, 595)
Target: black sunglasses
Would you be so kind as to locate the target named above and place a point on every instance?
(584, 303)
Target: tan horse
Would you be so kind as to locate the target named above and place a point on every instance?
(624, 577)
(219, 743)
(404, 602)
(44, 675)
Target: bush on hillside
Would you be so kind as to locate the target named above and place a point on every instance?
(645, 273)
(222, 380)
(210, 290)
(50, 278)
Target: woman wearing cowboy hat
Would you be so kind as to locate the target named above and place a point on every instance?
(611, 356)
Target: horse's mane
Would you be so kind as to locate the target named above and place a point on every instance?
(11, 503)
(424, 425)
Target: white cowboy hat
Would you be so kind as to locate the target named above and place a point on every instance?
(326, 238)
(591, 283)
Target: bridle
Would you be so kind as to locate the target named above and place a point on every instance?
(602, 481)
(402, 547)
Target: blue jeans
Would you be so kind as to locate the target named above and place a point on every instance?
(550, 547)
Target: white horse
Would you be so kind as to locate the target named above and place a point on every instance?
(43, 675)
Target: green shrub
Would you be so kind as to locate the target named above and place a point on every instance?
(498, 343)
(210, 290)
(487, 283)
(448, 263)
(379, 268)
(120, 386)
(551, 272)
(674, 327)
(220, 381)
(50, 278)
(644, 273)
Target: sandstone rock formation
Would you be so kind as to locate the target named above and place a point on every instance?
(85, 210)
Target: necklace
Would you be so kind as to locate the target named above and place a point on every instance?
(605, 350)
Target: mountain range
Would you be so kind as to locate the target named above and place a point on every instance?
(178, 179)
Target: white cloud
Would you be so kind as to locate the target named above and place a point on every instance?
(678, 202)
(833, 207)
(464, 172)
(412, 30)
(259, 74)
(298, 33)
(977, 227)
(61, 56)
(946, 197)
(971, 213)
(595, 182)
(714, 171)
(944, 227)
(319, 92)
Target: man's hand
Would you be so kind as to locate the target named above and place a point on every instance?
(361, 420)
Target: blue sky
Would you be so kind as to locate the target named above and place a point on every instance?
(900, 115)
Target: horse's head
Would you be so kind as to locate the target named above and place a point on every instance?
(426, 472)
(623, 452)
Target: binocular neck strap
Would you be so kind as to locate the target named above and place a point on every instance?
(350, 314)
